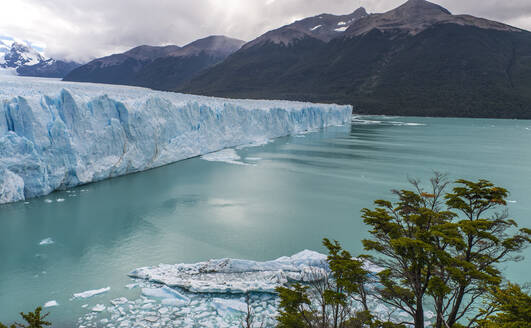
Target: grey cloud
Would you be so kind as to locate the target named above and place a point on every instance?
(84, 29)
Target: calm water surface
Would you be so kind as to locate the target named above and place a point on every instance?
(299, 190)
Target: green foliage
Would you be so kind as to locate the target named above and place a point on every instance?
(329, 301)
(441, 246)
(3, 326)
(293, 313)
(349, 276)
(507, 307)
(432, 245)
(33, 319)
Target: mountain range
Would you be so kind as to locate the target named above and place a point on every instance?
(20, 58)
(163, 68)
(417, 59)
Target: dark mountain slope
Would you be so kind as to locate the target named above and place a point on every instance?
(416, 60)
(157, 67)
(48, 68)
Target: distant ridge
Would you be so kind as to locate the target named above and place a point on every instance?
(158, 67)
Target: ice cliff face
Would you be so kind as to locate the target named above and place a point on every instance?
(55, 135)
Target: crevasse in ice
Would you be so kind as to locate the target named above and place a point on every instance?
(56, 135)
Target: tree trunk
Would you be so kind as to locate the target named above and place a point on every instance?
(453, 315)
(419, 315)
(438, 311)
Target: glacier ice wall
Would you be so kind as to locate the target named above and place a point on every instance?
(56, 135)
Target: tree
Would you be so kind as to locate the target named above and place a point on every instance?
(293, 307)
(486, 238)
(33, 319)
(249, 318)
(433, 246)
(333, 299)
(508, 307)
(443, 246)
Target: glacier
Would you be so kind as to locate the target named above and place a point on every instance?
(56, 135)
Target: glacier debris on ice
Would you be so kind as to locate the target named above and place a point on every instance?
(55, 135)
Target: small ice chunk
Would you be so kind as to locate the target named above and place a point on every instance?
(131, 286)
(226, 155)
(51, 304)
(98, 308)
(90, 293)
(147, 306)
(163, 293)
(60, 200)
(48, 201)
(226, 305)
(119, 301)
(255, 143)
(46, 241)
(173, 302)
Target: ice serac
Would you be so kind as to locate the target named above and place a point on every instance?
(56, 135)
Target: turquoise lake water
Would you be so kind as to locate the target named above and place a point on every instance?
(296, 191)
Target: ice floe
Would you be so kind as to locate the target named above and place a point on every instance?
(381, 120)
(50, 304)
(98, 308)
(226, 155)
(46, 241)
(91, 293)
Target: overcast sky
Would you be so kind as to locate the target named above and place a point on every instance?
(84, 29)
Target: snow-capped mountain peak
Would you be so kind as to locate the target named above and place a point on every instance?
(22, 54)
(21, 58)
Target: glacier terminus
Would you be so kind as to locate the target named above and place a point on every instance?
(56, 135)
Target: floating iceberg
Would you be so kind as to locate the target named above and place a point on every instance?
(98, 308)
(226, 155)
(90, 293)
(51, 304)
(56, 135)
(47, 241)
(231, 276)
(164, 293)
